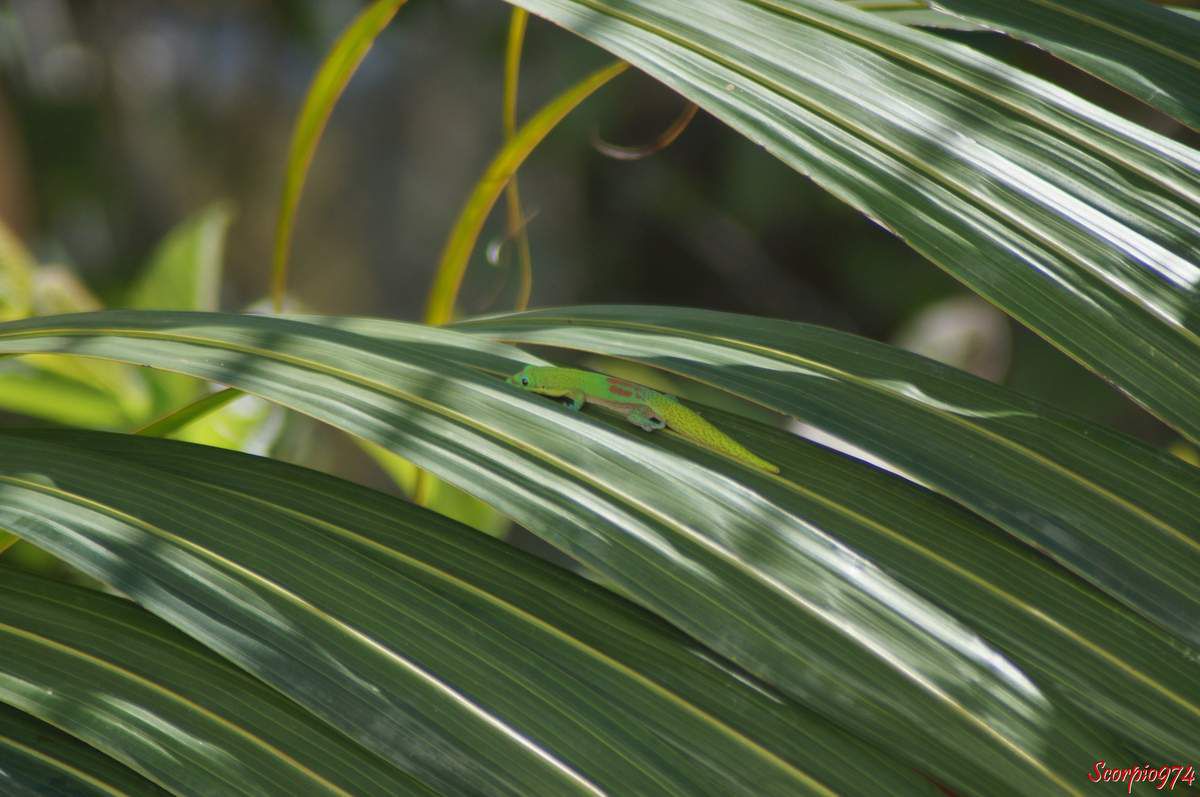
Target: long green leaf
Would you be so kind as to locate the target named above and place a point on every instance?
(1147, 51)
(1106, 506)
(912, 12)
(125, 682)
(1074, 641)
(1078, 223)
(335, 72)
(183, 417)
(515, 227)
(461, 241)
(477, 667)
(712, 546)
(37, 759)
(918, 13)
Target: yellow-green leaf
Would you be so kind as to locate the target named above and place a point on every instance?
(335, 72)
(457, 252)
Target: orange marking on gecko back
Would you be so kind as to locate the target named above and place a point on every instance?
(620, 387)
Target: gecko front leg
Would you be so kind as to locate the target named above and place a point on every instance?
(646, 419)
(575, 399)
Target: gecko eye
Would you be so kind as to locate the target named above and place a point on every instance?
(525, 380)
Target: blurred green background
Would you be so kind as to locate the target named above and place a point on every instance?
(118, 120)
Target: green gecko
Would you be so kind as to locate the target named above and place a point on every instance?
(642, 406)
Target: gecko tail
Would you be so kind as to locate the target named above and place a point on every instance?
(692, 426)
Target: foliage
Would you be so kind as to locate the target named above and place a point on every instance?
(1011, 603)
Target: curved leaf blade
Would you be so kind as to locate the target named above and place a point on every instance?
(913, 12)
(478, 667)
(126, 683)
(1077, 491)
(1145, 50)
(918, 13)
(331, 79)
(515, 223)
(39, 759)
(499, 174)
(181, 418)
(696, 539)
(1077, 223)
(1065, 636)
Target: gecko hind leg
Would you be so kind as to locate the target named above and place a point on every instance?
(645, 419)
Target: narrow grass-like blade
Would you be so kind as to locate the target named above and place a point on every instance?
(335, 72)
(515, 226)
(461, 242)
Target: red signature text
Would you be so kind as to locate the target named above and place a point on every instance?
(1163, 777)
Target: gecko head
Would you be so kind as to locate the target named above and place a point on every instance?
(526, 378)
